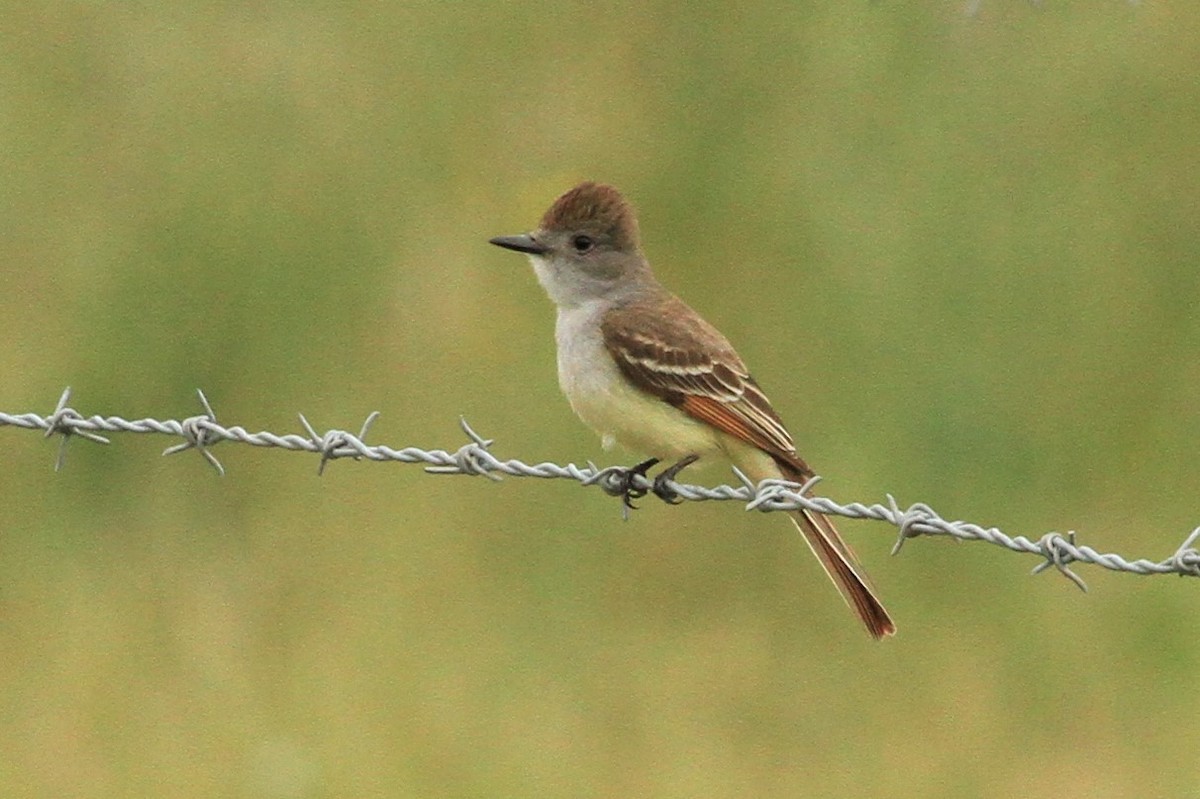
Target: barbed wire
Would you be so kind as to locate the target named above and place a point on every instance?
(203, 432)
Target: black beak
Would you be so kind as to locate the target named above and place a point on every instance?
(524, 242)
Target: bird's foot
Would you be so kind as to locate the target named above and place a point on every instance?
(624, 482)
(664, 491)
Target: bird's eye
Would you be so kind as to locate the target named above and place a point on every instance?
(582, 243)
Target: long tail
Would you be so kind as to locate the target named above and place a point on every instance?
(843, 568)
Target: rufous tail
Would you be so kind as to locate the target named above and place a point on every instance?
(842, 567)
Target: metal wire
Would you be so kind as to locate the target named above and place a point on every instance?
(203, 432)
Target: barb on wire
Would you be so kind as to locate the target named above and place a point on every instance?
(329, 442)
(475, 458)
(58, 422)
(196, 430)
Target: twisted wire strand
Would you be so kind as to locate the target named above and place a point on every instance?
(202, 432)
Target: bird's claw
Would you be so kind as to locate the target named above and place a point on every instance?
(624, 483)
(664, 491)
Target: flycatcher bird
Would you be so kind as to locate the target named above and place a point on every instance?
(642, 368)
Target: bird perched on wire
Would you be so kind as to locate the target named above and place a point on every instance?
(642, 368)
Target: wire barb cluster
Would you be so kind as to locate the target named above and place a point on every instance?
(203, 432)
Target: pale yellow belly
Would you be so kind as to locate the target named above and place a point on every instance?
(606, 402)
(623, 415)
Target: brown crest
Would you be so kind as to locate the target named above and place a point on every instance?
(595, 208)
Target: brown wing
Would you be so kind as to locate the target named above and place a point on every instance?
(676, 356)
(672, 353)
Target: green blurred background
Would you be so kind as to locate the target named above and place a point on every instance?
(960, 253)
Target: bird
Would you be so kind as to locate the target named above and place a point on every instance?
(644, 370)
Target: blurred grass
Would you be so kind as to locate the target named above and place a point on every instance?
(977, 238)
